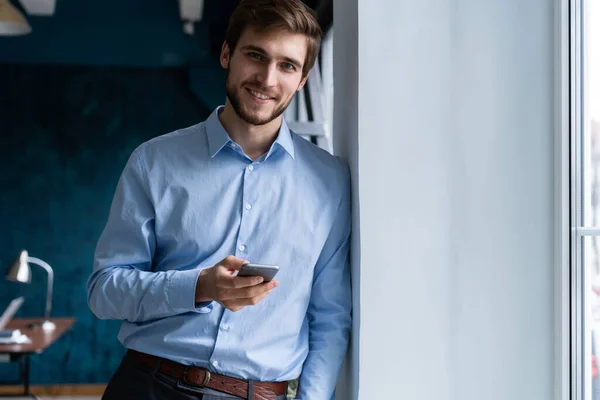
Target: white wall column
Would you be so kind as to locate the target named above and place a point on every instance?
(444, 110)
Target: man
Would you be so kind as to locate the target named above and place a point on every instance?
(193, 205)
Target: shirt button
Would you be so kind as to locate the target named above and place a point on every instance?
(250, 167)
(226, 327)
(242, 247)
(215, 363)
(248, 206)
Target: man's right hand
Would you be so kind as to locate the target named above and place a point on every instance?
(219, 283)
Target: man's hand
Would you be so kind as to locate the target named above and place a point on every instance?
(219, 283)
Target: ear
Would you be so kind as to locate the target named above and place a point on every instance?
(225, 55)
(303, 82)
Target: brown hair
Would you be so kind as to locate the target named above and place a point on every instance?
(290, 15)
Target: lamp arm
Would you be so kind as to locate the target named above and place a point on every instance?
(50, 272)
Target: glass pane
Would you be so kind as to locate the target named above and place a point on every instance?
(590, 335)
(590, 122)
(327, 72)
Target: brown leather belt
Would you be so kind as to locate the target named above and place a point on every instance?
(200, 377)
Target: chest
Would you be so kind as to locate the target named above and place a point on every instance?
(276, 213)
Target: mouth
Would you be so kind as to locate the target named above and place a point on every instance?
(259, 96)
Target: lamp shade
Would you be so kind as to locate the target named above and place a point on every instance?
(12, 22)
(20, 271)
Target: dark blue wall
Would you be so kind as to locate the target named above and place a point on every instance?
(66, 133)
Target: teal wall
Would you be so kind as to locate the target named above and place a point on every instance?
(131, 33)
(66, 133)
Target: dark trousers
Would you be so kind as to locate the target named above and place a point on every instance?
(134, 381)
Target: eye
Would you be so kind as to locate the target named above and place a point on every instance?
(256, 56)
(289, 66)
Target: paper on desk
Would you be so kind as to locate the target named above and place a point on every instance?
(21, 339)
(7, 333)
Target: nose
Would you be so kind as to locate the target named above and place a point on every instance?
(268, 75)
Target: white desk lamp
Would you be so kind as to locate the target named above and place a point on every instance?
(20, 271)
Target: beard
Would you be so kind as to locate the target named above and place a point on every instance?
(247, 116)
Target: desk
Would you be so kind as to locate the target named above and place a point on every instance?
(40, 341)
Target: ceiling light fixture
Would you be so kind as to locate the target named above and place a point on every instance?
(12, 22)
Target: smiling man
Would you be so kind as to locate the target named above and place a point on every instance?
(193, 205)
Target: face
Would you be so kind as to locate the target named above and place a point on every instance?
(263, 73)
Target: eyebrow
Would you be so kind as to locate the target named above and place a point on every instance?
(297, 63)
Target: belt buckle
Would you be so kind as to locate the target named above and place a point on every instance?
(204, 382)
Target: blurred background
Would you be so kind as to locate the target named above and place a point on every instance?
(87, 83)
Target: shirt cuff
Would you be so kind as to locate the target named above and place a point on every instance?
(181, 291)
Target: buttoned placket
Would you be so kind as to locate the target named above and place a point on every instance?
(247, 221)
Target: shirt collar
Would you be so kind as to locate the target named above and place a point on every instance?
(216, 133)
(218, 137)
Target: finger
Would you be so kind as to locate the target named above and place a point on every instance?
(240, 282)
(226, 279)
(230, 306)
(257, 290)
(238, 304)
(255, 300)
(233, 308)
(233, 294)
(233, 263)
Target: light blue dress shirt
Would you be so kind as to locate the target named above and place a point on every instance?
(188, 199)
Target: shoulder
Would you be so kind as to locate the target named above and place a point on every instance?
(323, 166)
(174, 144)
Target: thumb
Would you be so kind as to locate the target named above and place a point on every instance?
(233, 263)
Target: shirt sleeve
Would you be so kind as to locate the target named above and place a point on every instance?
(329, 311)
(122, 285)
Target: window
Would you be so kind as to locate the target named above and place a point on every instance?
(310, 113)
(585, 187)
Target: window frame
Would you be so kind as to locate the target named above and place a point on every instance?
(573, 361)
(565, 364)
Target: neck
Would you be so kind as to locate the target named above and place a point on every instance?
(254, 140)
